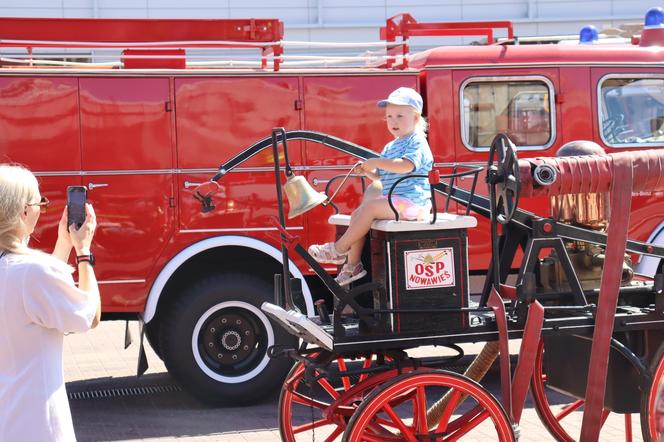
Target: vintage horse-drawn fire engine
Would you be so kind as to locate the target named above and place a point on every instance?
(141, 111)
(599, 340)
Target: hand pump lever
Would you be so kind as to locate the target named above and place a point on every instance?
(285, 280)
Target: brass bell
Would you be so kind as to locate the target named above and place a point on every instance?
(301, 196)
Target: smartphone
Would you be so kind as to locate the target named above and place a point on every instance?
(76, 198)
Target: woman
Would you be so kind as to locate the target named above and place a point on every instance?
(39, 303)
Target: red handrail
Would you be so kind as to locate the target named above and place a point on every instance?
(405, 26)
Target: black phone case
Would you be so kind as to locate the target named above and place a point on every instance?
(76, 205)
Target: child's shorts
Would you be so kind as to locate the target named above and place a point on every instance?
(410, 211)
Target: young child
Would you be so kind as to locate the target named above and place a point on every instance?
(408, 153)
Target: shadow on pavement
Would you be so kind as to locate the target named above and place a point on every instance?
(133, 410)
(153, 406)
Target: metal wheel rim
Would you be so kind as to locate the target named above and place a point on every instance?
(256, 360)
(652, 396)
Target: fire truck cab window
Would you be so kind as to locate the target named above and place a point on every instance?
(632, 111)
(519, 108)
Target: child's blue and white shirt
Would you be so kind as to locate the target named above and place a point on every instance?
(414, 148)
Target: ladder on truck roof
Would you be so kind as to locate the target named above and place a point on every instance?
(405, 26)
(161, 43)
(146, 43)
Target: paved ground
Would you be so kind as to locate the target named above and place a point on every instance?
(155, 409)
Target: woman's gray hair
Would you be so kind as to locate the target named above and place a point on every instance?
(18, 187)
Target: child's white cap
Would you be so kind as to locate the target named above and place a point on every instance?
(404, 96)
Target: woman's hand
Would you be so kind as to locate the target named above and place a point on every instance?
(63, 233)
(63, 245)
(81, 238)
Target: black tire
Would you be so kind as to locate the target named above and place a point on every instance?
(228, 364)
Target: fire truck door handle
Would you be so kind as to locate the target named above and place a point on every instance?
(95, 185)
(316, 181)
(188, 184)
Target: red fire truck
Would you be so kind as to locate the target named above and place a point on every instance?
(141, 132)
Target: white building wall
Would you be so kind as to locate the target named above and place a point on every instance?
(355, 20)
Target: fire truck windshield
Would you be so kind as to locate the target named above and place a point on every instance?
(632, 111)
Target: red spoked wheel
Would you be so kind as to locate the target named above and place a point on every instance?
(655, 408)
(553, 417)
(397, 411)
(331, 406)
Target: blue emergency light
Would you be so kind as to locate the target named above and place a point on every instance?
(654, 18)
(588, 35)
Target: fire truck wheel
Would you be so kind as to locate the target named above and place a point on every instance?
(152, 335)
(649, 418)
(554, 418)
(215, 339)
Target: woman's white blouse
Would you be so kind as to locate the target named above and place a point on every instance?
(38, 304)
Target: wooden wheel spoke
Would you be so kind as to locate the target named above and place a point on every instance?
(337, 431)
(375, 428)
(370, 438)
(420, 415)
(466, 417)
(328, 388)
(400, 424)
(301, 399)
(475, 421)
(310, 425)
(366, 364)
(449, 409)
(569, 409)
(386, 423)
(344, 379)
(404, 397)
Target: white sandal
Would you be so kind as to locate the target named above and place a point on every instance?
(348, 275)
(327, 254)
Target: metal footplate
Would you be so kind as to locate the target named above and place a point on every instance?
(299, 325)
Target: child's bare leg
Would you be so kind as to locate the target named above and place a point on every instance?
(360, 223)
(373, 191)
(355, 251)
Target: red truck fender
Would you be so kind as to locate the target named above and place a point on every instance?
(219, 241)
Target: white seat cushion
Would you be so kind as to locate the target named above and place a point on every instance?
(444, 221)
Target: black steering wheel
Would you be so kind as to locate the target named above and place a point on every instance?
(503, 178)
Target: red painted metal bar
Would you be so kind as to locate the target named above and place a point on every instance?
(107, 30)
(484, 32)
(144, 40)
(496, 303)
(525, 366)
(621, 199)
(404, 25)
